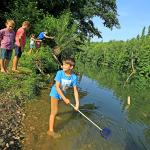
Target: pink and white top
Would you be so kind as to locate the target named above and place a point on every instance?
(21, 34)
(7, 39)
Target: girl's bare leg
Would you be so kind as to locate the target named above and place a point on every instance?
(6, 65)
(15, 63)
(2, 65)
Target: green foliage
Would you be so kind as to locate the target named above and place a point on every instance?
(65, 34)
(24, 10)
(5, 7)
(40, 59)
(148, 31)
(44, 60)
(121, 56)
(143, 32)
(19, 85)
(82, 12)
(27, 83)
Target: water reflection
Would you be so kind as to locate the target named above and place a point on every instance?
(137, 110)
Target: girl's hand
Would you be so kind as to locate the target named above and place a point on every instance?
(52, 37)
(67, 101)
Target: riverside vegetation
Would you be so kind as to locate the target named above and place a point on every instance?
(129, 58)
(72, 27)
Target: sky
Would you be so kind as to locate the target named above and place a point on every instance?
(133, 16)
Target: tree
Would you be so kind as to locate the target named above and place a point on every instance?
(4, 8)
(138, 37)
(66, 37)
(148, 31)
(24, 10)
(83, 11)
(143, 32)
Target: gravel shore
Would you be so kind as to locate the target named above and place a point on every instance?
(11, 127)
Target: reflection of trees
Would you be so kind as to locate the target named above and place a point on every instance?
(139, 110)
(79, 78)
(82, 93)
(131, 144)
(147, 134)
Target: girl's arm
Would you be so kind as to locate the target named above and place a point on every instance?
(76, 95)
(38, 40)
(67, 101)
(49, 37)
(1, 36)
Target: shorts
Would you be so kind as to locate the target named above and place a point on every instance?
(5, 53)
(54, 93)
(38, 44)
(32, 46)
(18, 51)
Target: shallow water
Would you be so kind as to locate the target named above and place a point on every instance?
(101, 105)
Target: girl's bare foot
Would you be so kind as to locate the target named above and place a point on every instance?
(3, 71)
(54, 134)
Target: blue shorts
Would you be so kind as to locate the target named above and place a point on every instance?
(18, 51)
(5, 53)
(54, 93)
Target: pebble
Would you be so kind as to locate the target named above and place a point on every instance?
(1, 142)
(7, 145)
(11, 143)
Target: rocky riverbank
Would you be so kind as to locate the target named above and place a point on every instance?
(11, 117)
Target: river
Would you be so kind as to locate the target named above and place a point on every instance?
(103, 98)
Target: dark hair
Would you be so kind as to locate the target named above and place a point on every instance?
(32, 35)
(69, 60)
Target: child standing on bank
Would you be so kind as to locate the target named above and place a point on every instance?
(20, 43)
(32, 42)
(7, 39)
(64, 79)
(41, 37)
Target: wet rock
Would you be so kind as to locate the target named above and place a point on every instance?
(11, 143)
(7, 145)
(16, 137)
(4, 132)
